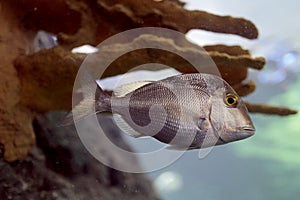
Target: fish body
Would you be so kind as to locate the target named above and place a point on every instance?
(189, 111)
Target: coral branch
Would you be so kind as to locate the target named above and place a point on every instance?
(243, 89)
(230, 50)
(225, 24)
(143, 13)
(271, 110)
(48, 76)
(242, 60)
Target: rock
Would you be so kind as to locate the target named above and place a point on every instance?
(61, 168)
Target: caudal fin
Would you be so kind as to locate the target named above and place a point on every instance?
(89, 105)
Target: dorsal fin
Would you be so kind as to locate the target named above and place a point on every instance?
(129, 87)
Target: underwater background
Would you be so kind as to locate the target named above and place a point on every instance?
(267, 165)
(40, 160)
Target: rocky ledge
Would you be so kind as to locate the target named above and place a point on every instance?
(61, 168)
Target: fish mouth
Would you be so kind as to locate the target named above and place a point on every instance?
(248, 128)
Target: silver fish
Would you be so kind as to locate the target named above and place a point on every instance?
(189, 111)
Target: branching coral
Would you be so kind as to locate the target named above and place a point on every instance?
(42, 81)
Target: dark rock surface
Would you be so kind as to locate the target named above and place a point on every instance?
(61, 168)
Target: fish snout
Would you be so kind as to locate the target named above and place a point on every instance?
(247, 130)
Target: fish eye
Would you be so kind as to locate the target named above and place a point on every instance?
(231, 100)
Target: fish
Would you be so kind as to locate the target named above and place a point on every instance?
(186, 111)
(44, 40)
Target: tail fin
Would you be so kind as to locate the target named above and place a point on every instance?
(93, 103)
(102, 103)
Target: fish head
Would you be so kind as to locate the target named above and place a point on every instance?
(229, 116)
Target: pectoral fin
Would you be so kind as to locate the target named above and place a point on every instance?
(203, 124)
